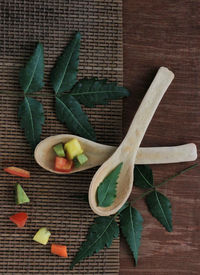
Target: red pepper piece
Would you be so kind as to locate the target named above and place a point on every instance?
(60, 250)
(17, 172)
(19, 219)
(63, 164)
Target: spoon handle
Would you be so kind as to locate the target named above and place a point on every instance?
(155, 155)
(146, 111)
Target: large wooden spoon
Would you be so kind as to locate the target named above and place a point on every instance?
(98, 153)
(127, 151)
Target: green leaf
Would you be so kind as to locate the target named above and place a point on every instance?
(69, 111)
(63, 76)
(31, 117)
(123, 207)
(31, 77)
(91, 92)
(160, 208)
(143, 176)
(131, 227)
(100, 234)
(106, 192)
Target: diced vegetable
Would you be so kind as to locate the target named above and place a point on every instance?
(76, 163)
(63, 164)
(82, 158)
(19, 219)
(73, 148)
(42, 236)
(59, 150)
(60, 250)
(20, 195)
(17, 172)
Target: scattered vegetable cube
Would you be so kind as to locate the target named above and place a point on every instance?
(59, 150)
(63, 164)
(73, 148)
(19, 219)
(60, 250)
(17, 172)
(42, 236)
(20, 195)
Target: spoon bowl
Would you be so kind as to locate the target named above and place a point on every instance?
(45, 156)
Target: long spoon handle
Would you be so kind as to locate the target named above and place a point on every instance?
(146, 111)
(155, 155)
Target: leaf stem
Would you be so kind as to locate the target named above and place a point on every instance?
(177, 174)
(163, 182)
(27, 94)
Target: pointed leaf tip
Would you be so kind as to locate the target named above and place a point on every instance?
(100, 234)
(131, 226)
(160, 208)
(106, 192)
(143, 176)
(31, 115)
(69, 111)
(92, 92)
(64, 73)
(31, 76)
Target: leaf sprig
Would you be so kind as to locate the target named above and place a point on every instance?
(130, 218)
(89, 92)
(31, 113)
(68, 91)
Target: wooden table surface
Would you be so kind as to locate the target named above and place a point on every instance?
(166, 33)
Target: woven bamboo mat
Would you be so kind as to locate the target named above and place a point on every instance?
(53, 203)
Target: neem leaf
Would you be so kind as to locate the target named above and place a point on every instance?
(131, 227)
(91, 92)
(69, 111)
(31, 77)
(160, 208)
(143, 176)
(100, 234)
(106, 192)
(31, 117)
(63, 76)
(123, 207)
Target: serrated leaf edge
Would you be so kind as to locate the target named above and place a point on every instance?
(31, 115)
(120, 167)
(151, 186)
(79, 258)
(88, 133)
(40, 46)
(170, 227)
(64, 72)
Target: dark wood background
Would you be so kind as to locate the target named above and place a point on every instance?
(166, 33)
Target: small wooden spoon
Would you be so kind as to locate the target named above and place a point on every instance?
(127, 151)
(98, 153)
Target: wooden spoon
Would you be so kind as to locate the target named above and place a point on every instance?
(98, 153)
(127, 151)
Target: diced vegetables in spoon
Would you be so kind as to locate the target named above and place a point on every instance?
(69, 155)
